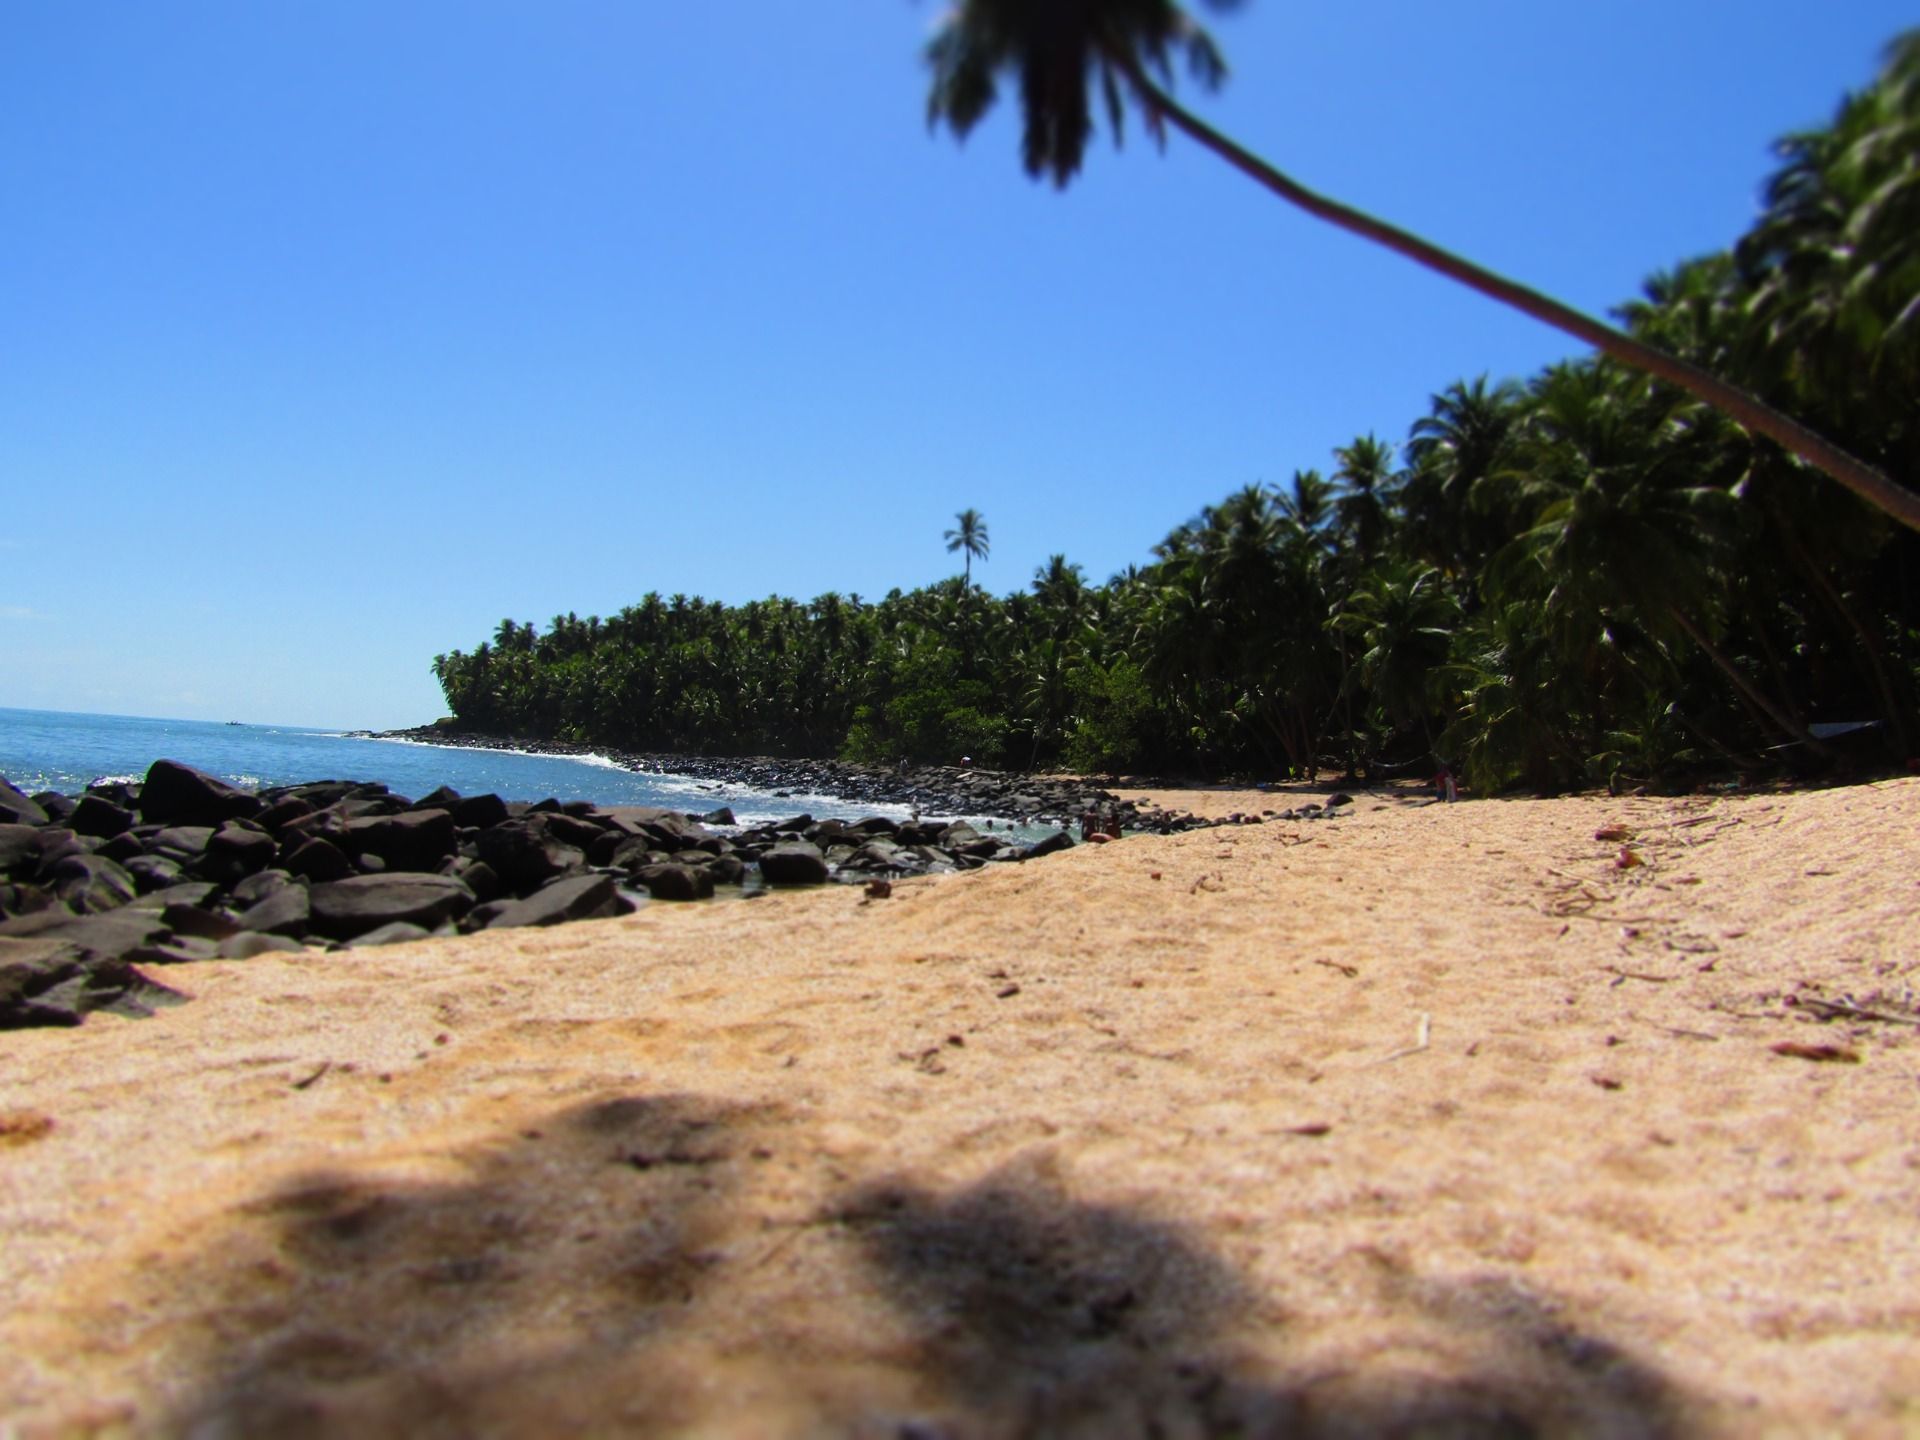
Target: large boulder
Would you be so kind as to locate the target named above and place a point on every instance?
(525, 854)
(479, 812)
(410, 840)
(45, 980)
(96, 815)
(16, 808)
(317, 859)
(669, 881)
(19, 848)
(1050, 845)
(576, 897)
(90, 884)
(286, 911)
(344, 909)
(235, 852)
(795, 862)
(176, 794)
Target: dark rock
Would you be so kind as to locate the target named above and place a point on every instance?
(525, 855)
(56, 844)
(235, 852)
(632, 853)
(1051, 845)
(318, 860)
(117, 792)
(17, 809)
(395, 932)
(286, 911)
(186, 892)
(410, 840)
(282, 813)
(96, 815)
(122, 847)
(111, 932)
(571, 829)
(255, 888)
(175, 794)
(577, 897)
(669, 881)
(480, 878)
(184, 843)
(481, 916)
(1341, 799)
(722, 816)
(881, 855)
(248, 944)
(90, 884)
(201, 923)
(19, 847)
(47, 981)
(480, 812)
(794, 862)
(444, 798)
(24, 900)
(726, 869)
(154, 872)
(180, 950)
(343, 909)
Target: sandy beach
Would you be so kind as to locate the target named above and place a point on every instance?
(1428, 1120)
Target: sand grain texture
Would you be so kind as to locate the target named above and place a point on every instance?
(1142, 1139)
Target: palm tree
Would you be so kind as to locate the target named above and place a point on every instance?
(969, 536)
(1627, 521)
(1056, 48)
(1366, 479)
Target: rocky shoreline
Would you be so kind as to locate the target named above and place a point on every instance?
(929, 789)
(183, 867)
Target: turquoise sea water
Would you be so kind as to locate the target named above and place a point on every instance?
(53, 750)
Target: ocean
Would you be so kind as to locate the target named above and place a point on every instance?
(53, 750)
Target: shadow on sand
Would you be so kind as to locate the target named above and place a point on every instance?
(667, 1265)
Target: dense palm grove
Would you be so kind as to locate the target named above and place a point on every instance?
(1580, 578)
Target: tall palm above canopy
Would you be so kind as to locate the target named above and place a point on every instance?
(1365, 475)
(969, 536)
(1060, 50)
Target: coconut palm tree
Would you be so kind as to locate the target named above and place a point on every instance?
(969, 536)
(1366, 478)
(1059, 50)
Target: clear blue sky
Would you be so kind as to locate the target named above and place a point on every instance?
(332, 333)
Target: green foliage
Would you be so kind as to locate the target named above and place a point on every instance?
(1580, 579)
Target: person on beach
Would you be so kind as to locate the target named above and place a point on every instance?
(1444, 785)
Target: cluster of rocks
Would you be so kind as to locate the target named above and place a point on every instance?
(184, 867)
(931, 789)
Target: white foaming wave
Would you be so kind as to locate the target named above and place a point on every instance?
(603, 762)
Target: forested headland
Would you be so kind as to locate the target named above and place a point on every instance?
(1578, 577)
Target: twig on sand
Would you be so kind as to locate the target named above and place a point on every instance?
(325, 1065)
(1350, 971)
(1838, 1009)
(1620, 975)
(1676, 1030)
(1421, 1041)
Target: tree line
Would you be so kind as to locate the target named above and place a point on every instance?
(1583, 576)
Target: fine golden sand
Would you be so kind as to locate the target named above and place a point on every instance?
(1429, 1120)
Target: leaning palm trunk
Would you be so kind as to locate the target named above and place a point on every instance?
(1858, 476)
(1788, 725)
